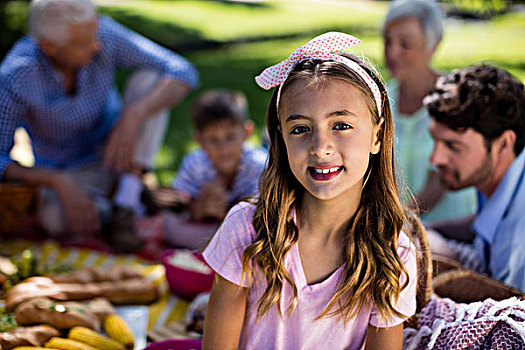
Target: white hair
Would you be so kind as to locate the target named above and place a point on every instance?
(427, 12)
(50, 19)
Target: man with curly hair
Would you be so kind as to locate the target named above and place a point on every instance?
(478, 124)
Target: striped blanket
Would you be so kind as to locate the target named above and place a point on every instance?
(167, 309)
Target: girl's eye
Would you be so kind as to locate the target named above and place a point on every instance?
(342, 126)
(296, 130)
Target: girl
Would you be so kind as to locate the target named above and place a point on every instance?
(322, 259)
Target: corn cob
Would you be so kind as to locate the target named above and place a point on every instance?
(118, 330)
(89, 336)
(31, 348)
(67, 344)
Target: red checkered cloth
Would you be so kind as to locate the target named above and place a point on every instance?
(444, 324)
(151, 229)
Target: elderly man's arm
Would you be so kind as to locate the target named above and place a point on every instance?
(458, 229)
(120, 147)
(81, 215)
(133, 51)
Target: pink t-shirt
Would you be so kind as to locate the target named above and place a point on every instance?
(300, 329)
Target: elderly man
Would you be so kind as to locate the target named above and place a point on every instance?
(58, 83)
(479, 131)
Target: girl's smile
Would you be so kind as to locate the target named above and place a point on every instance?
(329, 136)
(325, 174)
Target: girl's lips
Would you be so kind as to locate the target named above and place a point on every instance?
(324, 174)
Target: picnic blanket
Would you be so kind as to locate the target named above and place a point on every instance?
(444, 324)
(167, 309)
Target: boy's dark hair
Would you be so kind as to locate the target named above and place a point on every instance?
(217, 105)
(482, 97)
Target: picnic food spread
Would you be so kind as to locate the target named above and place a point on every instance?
(68, 310)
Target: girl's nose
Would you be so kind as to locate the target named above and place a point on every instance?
(322, 144)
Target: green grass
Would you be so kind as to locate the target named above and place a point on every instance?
(499, 42)
(230, 43)
(219, 22)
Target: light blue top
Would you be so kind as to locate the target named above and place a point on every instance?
(501, 223)
(413, 147)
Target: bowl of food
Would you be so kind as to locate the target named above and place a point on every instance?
(176, 344)
(187, 273)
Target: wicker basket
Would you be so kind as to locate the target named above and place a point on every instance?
(16, 201)
(424, 286)
(441, 265)
(467, 286)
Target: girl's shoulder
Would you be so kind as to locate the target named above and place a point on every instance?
(242, 211)
(225, 249)
(238, 221)
(404, 239)
(405, 246)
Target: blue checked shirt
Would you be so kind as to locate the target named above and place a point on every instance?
(67, 131)
(196, 170)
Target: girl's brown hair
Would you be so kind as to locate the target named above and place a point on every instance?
(373, 267)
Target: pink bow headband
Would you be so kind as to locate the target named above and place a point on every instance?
(321, 48)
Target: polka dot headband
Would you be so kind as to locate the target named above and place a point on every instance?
(320, 48)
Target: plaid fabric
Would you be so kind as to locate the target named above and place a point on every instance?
(196, 170)
(445, 325)
(69, 130)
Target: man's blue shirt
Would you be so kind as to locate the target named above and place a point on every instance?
(69, 130)
(501, 224)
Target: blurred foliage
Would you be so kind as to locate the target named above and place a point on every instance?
(477, 9)
(197, 24)
(12, 23)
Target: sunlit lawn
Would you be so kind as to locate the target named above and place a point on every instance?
(230, 43)
(234, 66)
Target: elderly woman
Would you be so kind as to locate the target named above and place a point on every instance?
(412, 31)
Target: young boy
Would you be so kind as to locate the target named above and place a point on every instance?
(213, 178)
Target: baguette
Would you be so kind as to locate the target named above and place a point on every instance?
(137, 290)
(27, 336)
(62, 315)
(131, 291)
(94, 274)
(34, 287)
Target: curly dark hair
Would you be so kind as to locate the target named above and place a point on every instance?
(482, 97)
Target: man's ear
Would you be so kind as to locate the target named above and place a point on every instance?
(249, 127)
(432, 51)
(197, 137)
(505, 142)
(378, 136)
(48, 47)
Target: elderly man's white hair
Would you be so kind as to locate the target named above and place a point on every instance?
(427, 11)
(50, 19)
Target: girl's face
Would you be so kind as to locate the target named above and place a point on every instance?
(329, 136)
